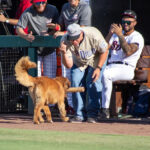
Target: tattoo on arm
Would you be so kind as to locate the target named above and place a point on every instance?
(129, 49)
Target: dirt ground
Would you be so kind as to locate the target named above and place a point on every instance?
(114, 126)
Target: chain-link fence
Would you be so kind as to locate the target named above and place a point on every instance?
(13, 97)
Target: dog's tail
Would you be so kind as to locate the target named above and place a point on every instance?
(21, 72)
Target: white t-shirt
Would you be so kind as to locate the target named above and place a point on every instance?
(117, 53)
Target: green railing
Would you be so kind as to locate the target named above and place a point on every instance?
(12, 41)
(16, 41)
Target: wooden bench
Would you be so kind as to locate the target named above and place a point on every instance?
(142, 78)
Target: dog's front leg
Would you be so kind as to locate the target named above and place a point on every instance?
(37, 109)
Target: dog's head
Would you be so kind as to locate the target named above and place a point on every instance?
(64, 81)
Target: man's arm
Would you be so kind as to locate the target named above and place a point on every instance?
(109, 35)
(29, 37)
(102, 59)
(66, 59)
(129, 49)
(8, 20)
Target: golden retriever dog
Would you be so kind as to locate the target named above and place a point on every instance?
(43, 90)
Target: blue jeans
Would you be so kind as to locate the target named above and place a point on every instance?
(86, 104)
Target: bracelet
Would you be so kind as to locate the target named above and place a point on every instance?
(57, 27)
(7, 21)
(99, 68)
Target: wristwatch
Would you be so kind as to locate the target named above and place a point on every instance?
(7, 21)
(99, 68)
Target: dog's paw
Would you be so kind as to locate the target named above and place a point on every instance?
(50, 121)
(36, 122)
(42, 121)
(65, 119)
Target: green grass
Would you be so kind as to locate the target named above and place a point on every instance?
(17, 139)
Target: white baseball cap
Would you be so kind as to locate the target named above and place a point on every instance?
(73, 31)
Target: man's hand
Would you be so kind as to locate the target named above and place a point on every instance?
(2, 18)
(30, 37)
(96, 74)
(67, 59)
(58, 33)
(111, 30)
(44, 33)
(117, 29)
(51, 25)
(63, 47)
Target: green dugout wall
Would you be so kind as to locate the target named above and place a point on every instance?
(12, 41)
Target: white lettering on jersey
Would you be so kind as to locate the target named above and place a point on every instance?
(75, 17)
(115, 46)
(86, 54)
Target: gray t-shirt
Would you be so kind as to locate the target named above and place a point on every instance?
(35, 21)
(80, 15)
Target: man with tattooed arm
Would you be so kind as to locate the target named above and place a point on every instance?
(125, 47)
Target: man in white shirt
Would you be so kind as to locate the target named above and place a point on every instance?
(125, 47)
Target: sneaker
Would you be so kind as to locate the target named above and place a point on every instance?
(91, 120)
(104, 113)
(76, 120)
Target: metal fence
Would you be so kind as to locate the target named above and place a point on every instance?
(13, 96)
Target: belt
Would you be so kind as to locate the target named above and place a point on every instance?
(118, 62)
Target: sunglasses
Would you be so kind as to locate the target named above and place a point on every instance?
(126, 22)
(39, 3)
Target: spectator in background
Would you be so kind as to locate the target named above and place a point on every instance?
(87, 1)
(75, 11)
(24, 4)
(36, 18)
(125, 45)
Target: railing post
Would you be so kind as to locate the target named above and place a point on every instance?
(33, 72)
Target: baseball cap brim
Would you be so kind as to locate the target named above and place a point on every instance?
(129, 13)
(131, 16)
(35, 1)
(71, 38)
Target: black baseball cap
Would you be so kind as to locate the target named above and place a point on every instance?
(129, 13)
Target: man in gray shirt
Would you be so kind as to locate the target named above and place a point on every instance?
(80, 14)
(36, 18)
